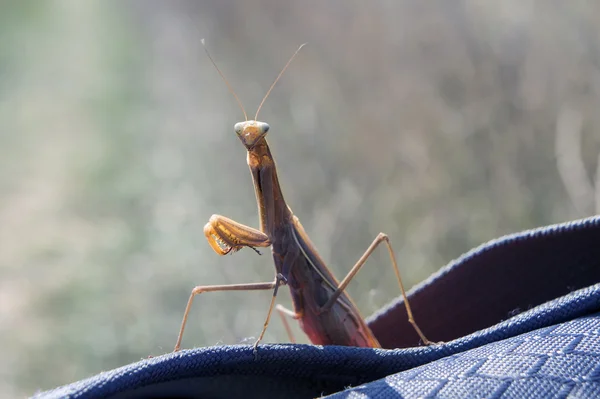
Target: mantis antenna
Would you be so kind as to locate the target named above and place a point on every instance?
(233, 92)
(277, 79)
(224, 79)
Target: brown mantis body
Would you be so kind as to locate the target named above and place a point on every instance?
(326, 313)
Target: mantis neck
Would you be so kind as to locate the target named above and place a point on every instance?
(272, 208)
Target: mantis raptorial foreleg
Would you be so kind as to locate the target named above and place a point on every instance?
(224, 236)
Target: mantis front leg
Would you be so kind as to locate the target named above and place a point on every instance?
(227, 236)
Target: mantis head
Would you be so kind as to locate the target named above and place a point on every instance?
(251, 132)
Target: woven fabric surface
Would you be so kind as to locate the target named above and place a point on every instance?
(561, 361)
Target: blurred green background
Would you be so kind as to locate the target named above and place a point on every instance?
(442, 123)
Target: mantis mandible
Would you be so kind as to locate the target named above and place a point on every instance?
(325, 312)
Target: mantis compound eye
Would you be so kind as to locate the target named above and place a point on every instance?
(238, 127)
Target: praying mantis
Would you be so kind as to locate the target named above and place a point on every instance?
(325, 312)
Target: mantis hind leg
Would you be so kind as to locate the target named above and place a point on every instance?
(381, 238)
(285, 314)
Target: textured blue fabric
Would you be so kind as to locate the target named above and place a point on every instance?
(550, 350)
(559, 361)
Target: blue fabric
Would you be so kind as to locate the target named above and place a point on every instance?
(559, 361)
(550, 350)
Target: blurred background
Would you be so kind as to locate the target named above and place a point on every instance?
(442, 123)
